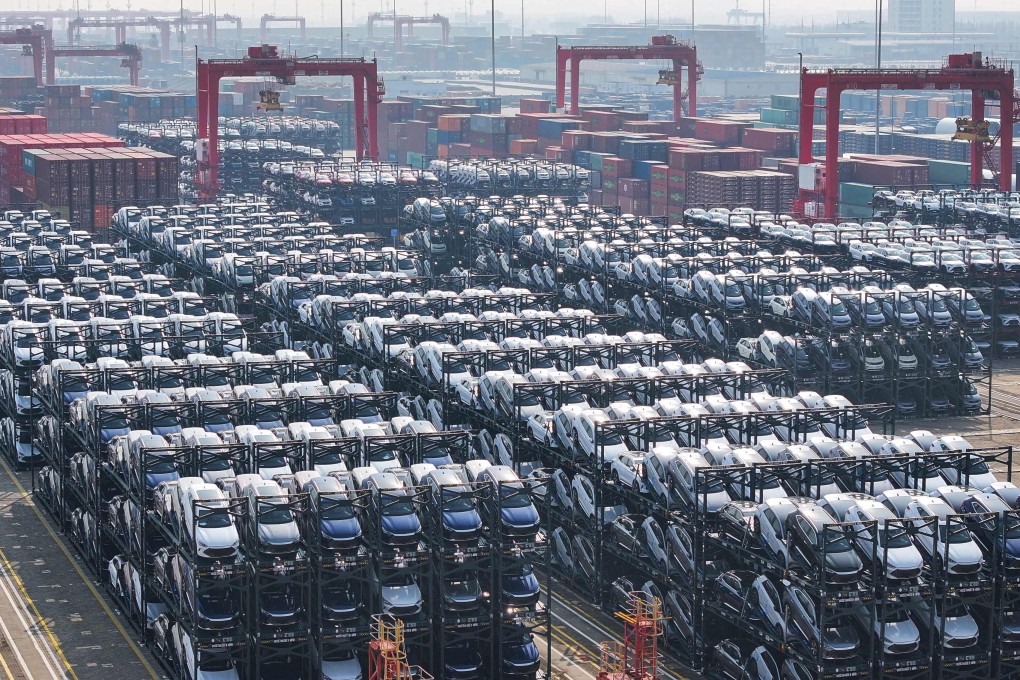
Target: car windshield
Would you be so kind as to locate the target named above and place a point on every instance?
(873, 308)
(277, 513)
(397, 503)
(514, 495)
(160, 465)
(337, 511)
(957, 534)
(971, 305)
(732, 290)
(894, 537)
(837, 541)
(456, 500)
(905, 306)
(938, 305)
(977, 467)
(213, 519)
(838, 308)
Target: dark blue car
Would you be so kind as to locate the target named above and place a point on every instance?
(520, 654)
(509, 505)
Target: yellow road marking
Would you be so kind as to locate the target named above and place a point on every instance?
(84, 578)
(7, 669)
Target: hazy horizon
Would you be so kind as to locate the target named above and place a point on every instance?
(582, 11)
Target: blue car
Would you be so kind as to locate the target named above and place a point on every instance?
(510, 503)
(455, 500)
(520, 587)
(520, 654)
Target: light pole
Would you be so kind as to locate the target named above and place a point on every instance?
(340, 2)
(492, 29)
(878, 65)
(522, 21)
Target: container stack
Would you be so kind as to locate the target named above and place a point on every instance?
(87, 185)
(17, 123)
(17, 89)
(11, 147)
(126, 103)
(67, 110)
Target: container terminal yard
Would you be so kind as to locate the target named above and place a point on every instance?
(467, 342)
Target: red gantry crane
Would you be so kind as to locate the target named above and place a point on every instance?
(131, 57)
(985, 80)
(265, 61)
(272, 18)
(661, 47)
(75, 25)
(38, 40)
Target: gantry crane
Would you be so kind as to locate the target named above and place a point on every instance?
(207, 21)
(131, 57)
(265, 61)
(682, 54)
(236, 20)
(37, 39)
(979, 134)
(637, 657)
(272, 18)
(120, 26)
(985, 80)
(22, 17)
(387, 658)
(409, 21)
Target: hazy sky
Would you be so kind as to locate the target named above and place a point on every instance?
(618, 10)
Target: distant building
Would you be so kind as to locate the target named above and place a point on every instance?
(921, 16)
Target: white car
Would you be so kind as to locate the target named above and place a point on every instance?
(628, 469)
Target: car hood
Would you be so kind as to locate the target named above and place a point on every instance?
(520, 653)
(341, 670)
(845, 562)
(401, 596)
(900, 632)
(466, 520)
(279, 534)
(520, 517)
(520, 585)
(401, 525)
(903, 558)
(341, 528)
(841, 638)
(230, 674)
(218, 537)
(961, 627)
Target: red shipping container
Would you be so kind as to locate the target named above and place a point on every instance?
(720, 131)
(535, 105)
(686, 159)
(659, 173)
(576, 140)
(634, 188)
(616, 167)
(523, 147)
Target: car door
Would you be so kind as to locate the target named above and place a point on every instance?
(773, 535)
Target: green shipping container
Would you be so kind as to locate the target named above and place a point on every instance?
(857, 194)
(948, 172)
(596, 159)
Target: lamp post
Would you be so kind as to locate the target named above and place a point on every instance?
(340, 2)
(878, 65)
(492, 28)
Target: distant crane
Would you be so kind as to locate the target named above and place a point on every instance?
(738, 15)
